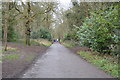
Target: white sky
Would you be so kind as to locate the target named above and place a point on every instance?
(65, 4)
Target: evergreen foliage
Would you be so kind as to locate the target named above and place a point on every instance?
(41, 33)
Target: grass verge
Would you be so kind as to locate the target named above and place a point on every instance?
(37, 42)
(104, 63)
(69, 43)
(10, 56)
(43, 42)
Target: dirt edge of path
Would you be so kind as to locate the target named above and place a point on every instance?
(30, 65)
(16, 68)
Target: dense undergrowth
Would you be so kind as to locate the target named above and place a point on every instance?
(98, 30)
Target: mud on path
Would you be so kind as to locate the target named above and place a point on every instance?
(12, 68)
(60, 62)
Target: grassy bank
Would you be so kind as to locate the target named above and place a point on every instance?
(37, 42)
(69, 43)
(107, 63)
(44, 42)
(34, 42)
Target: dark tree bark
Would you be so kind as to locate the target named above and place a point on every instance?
(27, 25)
(27, 32)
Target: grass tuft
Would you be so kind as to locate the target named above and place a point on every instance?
(10, 56)
(101, 62)
(69, 43)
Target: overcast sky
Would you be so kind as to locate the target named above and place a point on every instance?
(65, 3)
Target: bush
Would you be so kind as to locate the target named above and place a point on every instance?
(41, 33)
(98, 31)
(71, 35)
(12, 35)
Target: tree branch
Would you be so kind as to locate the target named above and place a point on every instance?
(18, 10)
(42, 13)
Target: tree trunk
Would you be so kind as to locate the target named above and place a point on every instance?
(27, 33)
(5, 35)
(27, 25)
(5, 23)
(47, 21)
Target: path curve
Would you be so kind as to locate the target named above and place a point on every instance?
(60, 62)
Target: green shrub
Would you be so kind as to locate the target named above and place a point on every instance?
(41, 33)
(71, 35)
(12, 35)
(99, 30)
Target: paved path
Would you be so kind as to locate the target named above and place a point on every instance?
(60, 62)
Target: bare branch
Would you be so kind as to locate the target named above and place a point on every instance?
(18, 10)
(42, 13)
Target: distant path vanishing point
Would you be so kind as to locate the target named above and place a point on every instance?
(60, 62)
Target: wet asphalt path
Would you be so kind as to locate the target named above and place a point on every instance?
(60, 62)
